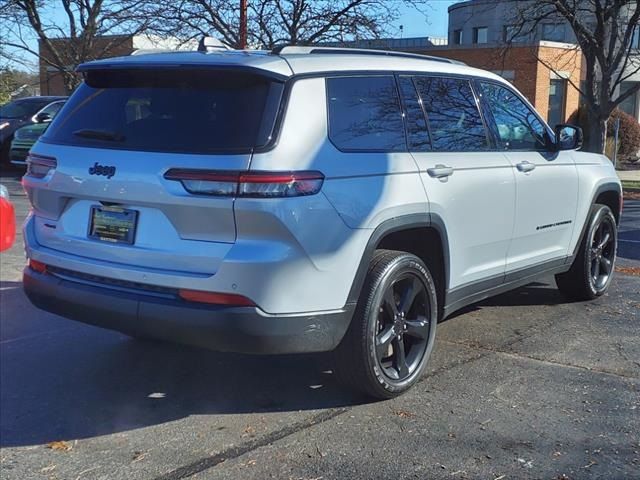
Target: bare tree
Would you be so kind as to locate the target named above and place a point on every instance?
(606, 34)
(292, 22)
(67, 43)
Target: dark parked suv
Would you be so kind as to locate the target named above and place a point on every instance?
(21, 112)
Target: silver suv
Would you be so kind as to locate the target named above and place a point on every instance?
(307, 200)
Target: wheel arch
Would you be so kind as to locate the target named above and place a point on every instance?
(609, 194)
(424, 235)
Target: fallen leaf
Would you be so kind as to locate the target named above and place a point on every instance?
(629, 270)
(137, 456)
(403, 414)
(48, 469)
(60, 445)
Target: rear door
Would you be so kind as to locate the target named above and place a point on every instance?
(471, 188)
(546, 181)
(112, 144)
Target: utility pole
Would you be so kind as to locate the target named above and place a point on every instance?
(243, 24)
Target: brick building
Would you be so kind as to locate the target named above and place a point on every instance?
(477, 25)
(550, 90)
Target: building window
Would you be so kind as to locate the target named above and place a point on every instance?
(557, 98)
(480, 35)
(630, 104)
(635, 40)
(457, 37)
(553, 32)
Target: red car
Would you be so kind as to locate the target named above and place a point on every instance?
(7, 220)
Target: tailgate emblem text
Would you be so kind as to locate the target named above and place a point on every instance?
(104, 170)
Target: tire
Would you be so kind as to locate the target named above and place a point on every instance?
(592, 269)
(388, 343)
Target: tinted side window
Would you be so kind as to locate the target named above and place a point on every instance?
(415, 121)
(517, 126)
(364, 114)
(454, 119)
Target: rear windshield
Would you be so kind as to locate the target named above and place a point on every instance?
(189, 111)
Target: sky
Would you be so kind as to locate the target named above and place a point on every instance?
(434, 25)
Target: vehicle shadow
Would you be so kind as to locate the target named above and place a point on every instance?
(74, 381)
(533, 294)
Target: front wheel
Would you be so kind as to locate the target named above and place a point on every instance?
(391, 335)
(592, 269)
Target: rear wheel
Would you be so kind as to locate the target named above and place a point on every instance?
(592, 269)
(386, 348)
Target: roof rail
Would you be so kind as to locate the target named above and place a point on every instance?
(293, 49)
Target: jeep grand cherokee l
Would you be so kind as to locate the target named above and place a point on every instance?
(307, 200)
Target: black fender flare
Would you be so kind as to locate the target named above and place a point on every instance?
(397, 224)
(605, 187)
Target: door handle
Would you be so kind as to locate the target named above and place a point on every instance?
(525, 166)
(440, 171)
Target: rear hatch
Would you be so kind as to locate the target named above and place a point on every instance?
(104, 194)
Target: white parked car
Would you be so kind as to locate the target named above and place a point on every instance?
(307, 199)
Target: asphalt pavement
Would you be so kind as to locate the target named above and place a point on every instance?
(524, 385)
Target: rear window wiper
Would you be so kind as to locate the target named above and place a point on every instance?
(99, 135)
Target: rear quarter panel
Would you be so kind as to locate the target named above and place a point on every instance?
(361, 189)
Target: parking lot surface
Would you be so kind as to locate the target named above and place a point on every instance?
(524, 385)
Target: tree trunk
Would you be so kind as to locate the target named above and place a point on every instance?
(596, 134)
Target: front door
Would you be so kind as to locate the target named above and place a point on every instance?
(546, 181)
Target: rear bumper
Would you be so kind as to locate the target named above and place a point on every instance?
(227, 329)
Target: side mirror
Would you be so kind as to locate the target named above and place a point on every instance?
(568, 137)
(43, 117)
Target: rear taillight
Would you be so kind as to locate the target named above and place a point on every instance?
(39, 166)
(37, 266)
(227, 299)
(248, 184)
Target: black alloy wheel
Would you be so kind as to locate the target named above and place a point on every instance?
(592, 269)
(388, 343)
(403, 327)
